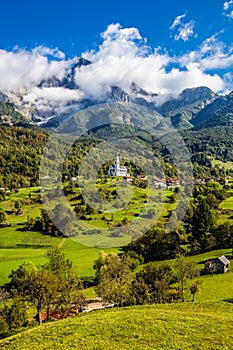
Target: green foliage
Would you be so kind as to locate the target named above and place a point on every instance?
(156, 244)
(20, 156)
(113, 276)
(52, 283)
(152, 284)
(184, 271)
(15, 315)
(3, 327)
(18, 205)
(2, 216)
(202, 222)
(195, 288)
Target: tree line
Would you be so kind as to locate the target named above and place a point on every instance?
(21, 149)
(120, 281)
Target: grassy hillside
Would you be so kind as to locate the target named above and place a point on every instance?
(17, 244)
(176, 326)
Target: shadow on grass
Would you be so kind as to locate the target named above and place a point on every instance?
(25, 245)
(88, 281)
(230, 301)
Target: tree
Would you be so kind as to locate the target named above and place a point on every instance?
(152, 283)
(173, 197)
(18, 205)
(3, 327)
(114, 277)
(69, 285)
(195, 288)
(54, 283)
(35, 285)
(4, 296)
(43, 291)
(202, 221)
(141, 291)
(156, 244)
(184, 270)
(30, 223)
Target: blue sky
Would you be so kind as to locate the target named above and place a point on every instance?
(162, 46)
(75, 26)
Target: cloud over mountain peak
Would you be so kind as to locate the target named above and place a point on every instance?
(123, 58)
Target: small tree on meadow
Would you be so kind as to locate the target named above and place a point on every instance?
(185, 270)
(195, 288)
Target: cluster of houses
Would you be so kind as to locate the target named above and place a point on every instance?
(159, 183)
(163, 184)
(222, 180)
(117, 170)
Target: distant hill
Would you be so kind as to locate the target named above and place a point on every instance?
(129, 114)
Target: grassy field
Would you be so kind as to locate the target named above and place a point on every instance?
(227, 203)
(174, 326)
(17, 244)
(205, 324)
(221, 164)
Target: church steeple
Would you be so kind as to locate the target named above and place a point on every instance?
(116, 169)
(117, 164)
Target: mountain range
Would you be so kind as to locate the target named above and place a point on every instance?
(194, 107)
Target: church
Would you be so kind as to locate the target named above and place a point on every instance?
(117, 169)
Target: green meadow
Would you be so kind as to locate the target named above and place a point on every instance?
(198, 326)
(17, 244)
(221, 164)
(203, 324)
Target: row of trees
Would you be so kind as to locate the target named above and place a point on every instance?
(117, 282)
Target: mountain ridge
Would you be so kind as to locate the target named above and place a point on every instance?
(194, 107)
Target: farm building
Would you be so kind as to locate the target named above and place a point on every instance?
(218, 265)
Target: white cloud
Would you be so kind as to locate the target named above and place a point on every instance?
(21, 68)
(177, 21)
(56, 99)
(227, 4)
(122, 58)
(230, 15)
(185, 31)
(47, 51)
(121, 61)
(212, 55)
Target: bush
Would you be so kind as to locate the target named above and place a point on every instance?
(4, 328)
(15, 315)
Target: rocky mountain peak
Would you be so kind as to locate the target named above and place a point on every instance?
(191, 95)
